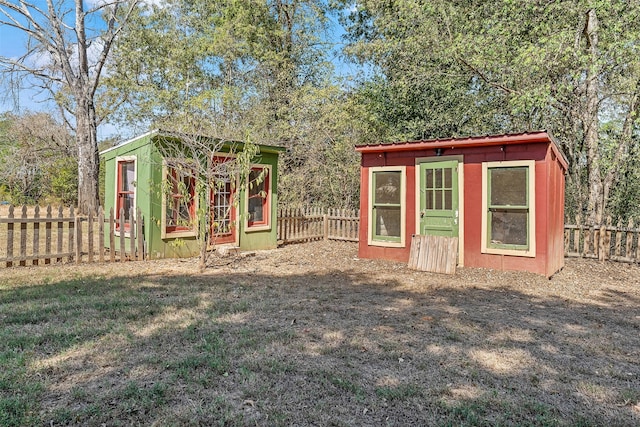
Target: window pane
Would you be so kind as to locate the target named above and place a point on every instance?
(447, 178)
(256, 212)
(429, 173)
(185, 213)
(429, 198)
(257, 188)
(438, 199)
(438, 173)
(388, 221)
(447, 199)
(387, 187)
(509, 186)
(126, 202)
(509, 228)
(127, 176)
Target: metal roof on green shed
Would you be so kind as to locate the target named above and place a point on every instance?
(158, 132)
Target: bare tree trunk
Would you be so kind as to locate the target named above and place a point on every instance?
(590, 123)
(88, 157)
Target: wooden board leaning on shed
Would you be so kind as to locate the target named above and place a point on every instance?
(437, 254)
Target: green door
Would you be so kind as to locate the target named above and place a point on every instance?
(439, 198)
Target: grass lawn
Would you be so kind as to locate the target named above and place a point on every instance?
(309, 335)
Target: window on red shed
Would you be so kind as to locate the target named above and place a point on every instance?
(509, 207)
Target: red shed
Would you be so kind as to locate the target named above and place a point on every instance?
(501, 195)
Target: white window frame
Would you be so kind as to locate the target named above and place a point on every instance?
(164, 234)
(531, 220)
(269, 213)
(371, 240)
(118, 160)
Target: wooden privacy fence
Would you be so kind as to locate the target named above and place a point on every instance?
(34, 237)
(308, 224)
(605, 242)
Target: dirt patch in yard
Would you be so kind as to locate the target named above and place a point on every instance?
(309, 334)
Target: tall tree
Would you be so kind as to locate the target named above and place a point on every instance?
(68, 44)
(571, 67)
(232, 68)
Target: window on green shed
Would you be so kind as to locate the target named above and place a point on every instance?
(125, 190)
(259, 198)
(180, 200)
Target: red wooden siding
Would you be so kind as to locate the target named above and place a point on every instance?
(549, 196)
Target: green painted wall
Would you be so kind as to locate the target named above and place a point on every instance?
(139, 148)
(264, 239)
(148, 199)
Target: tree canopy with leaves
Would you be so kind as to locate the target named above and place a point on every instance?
(230, 69)
(449, 68)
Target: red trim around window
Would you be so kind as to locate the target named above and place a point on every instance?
(177, 203)
(258, 197)
(125, 191)
(222, 208)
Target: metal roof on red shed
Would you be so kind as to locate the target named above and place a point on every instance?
(470, 141)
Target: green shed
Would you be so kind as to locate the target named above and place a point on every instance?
(140, 174)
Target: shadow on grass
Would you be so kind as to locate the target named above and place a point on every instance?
(319, 349)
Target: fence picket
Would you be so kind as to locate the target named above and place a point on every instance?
(23, 237)
(36, 235)
(140, 236)
(576, 236)
(618, 245)
(47, 240)
(637, 257)
(90, 235)
(587, 235)
(10, 238)
(122, 234)
(112, 236)
(60, 233)
(607, 239)
(629, 241)
(77, 224)
(101, 234)
(71, 232)
(132, 233)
